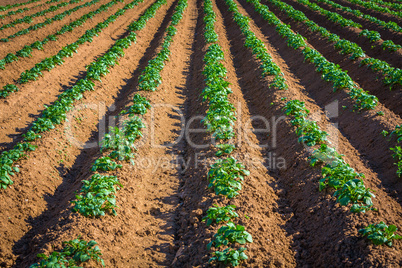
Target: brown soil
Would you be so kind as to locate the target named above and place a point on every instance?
(165, 194)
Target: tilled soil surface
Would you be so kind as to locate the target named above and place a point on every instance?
(165, 193)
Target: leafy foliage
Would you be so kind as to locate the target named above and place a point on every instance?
(230, 233)
(397, 150)
(105, 164)
(229, 256)
(224, 149)
(226, 176)
(217, 214)
(380, 233)
(140, 106)
(97, 196)
(7, 159)
(74, 253)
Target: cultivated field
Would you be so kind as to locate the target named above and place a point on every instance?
(197, 133)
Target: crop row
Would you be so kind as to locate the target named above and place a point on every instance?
(97, 196)
(22, 10)
(28, 19)
(387, 25)
(150, 78)
(330, 71)
(391, 75)
(396, 6)
(56, 113)
(372, 36)
(336, 172)
(373, 6)
(7, 7)
(27, 49)
(48, 21)
(227, 174)
(49, 63)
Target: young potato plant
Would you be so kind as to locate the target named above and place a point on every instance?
(226, 176)
(74, 253)
(380, 234)
(7, 159)
(56, 113)
(105, 164)
(121, 142)
(397, 150)
(140, 106)
(224, 149)
(391, 75)
(209, 19)
(220, 117)
(229, 256)
(217, 214)
(229, 234)
(97, 196)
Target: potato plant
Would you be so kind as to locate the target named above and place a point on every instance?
(229, 256)
(75, 252)
(217, 214)
(380, 234)
(230, 234)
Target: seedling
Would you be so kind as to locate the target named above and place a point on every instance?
(229, 256)
(75, 253)
(380, 233)
(230, 233)
(217, 214)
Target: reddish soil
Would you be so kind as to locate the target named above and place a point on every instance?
(165, 194)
